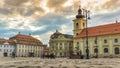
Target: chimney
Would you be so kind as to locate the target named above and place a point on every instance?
(116, 20)
(18, 32)
(29, 34)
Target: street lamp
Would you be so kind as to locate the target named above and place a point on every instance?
(96, 47)
(87, 17)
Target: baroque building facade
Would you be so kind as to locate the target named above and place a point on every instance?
(103, 40)
(60, 44)
(26, 45)
(6, 47)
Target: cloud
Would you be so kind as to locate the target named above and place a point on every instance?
(61, 9)
(52, 19)
(15, 2)
(111, 4)
(5, 11)
(22, 7)
(29, 11)
(2, 25)
(100, 19)
(55, 3)
(42, 17)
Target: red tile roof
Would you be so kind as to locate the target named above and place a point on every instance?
(26, 40)
(101, 30)
(2, 41)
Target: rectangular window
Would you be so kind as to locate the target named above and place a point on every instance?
(60, 43)
(65, 44)
(60, 48)
(116, 40)
(95, 41)
(105, 41)
(77, 43)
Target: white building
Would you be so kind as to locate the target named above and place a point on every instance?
(6, 47)
(26, 45)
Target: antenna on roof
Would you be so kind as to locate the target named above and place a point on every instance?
(116, 20)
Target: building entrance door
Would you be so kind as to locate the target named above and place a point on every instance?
(5, 54)
(31, 54)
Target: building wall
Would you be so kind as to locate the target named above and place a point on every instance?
(6, 48)
(60, 46)
(24, 50)
(79, 24)
(111, 45)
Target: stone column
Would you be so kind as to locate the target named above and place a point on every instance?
(110, 45)
(100, 47)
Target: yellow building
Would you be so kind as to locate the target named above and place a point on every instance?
(103, 40)
(60, 44)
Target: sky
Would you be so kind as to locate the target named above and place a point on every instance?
(42, 18)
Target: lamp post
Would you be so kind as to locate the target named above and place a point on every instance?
(87, 17)
(96, 47)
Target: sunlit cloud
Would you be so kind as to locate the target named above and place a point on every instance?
(42, 17)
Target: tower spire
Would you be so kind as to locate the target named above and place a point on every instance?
(80, 15)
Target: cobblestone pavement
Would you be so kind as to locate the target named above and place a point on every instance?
(59, 63)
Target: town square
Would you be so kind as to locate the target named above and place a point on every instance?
(59, 34)
(59, 63)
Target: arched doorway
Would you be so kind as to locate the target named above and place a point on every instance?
(105, 50)
(96, 52)
(116, 50)
(31, 54)
(5, 54)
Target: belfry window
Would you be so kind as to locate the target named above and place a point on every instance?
(77, 25)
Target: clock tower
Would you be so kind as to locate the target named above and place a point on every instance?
(79, 22)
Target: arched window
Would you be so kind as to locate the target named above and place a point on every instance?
(77, 25)
(96, 50)
(116, 50)
(105, 50)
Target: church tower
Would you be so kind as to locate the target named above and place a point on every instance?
(79, 22)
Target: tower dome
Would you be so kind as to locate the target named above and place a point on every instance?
(80, 15)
